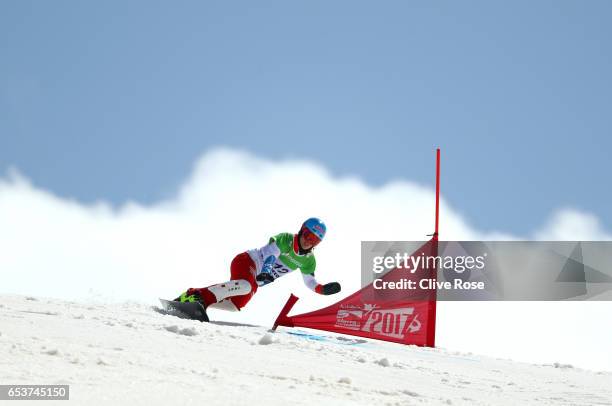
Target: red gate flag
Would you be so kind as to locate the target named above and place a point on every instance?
(397, 315)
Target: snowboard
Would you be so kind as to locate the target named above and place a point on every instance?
(185, 310)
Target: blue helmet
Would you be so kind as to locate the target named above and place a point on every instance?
(315, 226)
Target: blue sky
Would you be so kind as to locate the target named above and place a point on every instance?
(116, 100)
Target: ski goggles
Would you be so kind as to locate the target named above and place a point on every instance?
(310, 237)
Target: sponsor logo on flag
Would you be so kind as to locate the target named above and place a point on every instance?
(389, 322)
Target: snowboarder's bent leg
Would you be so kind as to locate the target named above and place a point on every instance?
(243, 268)
(238, 290)
(216, 293)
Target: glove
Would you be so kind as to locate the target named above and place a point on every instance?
(328, 288)
(265, 276)
(264, 279)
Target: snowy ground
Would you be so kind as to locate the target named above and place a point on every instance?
(130, 354)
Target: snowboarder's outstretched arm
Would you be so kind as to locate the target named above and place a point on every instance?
(327, 289)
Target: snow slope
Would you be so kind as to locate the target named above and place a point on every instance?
(129, 354)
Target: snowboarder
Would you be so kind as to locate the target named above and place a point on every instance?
(255, 268)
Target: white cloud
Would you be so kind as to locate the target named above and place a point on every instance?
(573, 225)
(234, 201)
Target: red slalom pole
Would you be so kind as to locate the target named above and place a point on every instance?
(431, 330)
(282, 319)
(437, 192)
